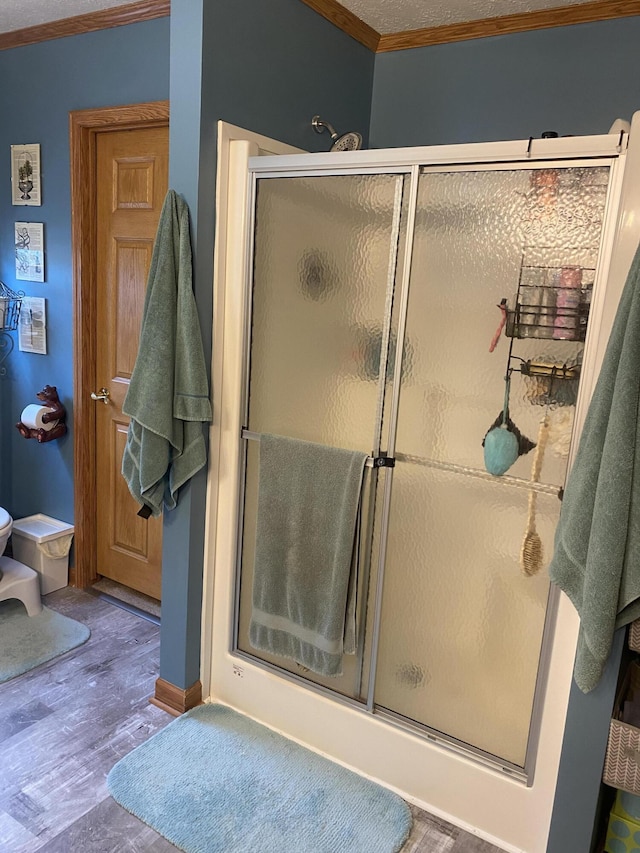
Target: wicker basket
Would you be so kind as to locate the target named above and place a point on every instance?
(622, 759)
(634, 636)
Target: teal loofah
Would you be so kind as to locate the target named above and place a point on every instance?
(500, 450)
(504, 442)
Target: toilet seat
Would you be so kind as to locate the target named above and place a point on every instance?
(5, 520)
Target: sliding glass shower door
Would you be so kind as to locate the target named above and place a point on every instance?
(324, 269)
(353, 274)
(462, 625)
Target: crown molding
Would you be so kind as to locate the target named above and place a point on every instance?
(145, 10)
(346, 21)
(116, 16)
(600, 10)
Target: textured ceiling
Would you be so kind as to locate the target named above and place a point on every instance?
(394, 16)
(385, 16)
(18, 14)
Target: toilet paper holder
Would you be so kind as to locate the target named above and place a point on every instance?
(46, 420)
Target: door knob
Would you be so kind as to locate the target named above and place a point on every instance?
(103, 394)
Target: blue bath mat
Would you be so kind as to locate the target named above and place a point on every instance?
(28, 641)
(214, 781)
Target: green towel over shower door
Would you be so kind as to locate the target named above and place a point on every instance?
(305, 573)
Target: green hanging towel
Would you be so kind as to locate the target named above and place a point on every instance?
(306, 560)
(597, 545)
(168, 396)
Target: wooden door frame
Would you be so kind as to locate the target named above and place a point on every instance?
(84, 126)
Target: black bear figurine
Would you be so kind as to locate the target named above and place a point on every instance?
(49, 398)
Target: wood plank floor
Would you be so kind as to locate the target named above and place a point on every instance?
(66, 723)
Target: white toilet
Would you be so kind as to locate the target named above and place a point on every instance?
(6, 523)
(16, 579)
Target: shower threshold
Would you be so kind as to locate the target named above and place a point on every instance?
(438, 738)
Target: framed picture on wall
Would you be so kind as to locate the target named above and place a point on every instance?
(25, 175)
(29, 243)
(32, 328)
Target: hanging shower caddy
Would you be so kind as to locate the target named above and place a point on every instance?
(553, 298)
(551, 303)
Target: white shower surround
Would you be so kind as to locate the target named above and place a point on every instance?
(479, 799)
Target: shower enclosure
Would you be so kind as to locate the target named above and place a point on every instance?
(374, 285)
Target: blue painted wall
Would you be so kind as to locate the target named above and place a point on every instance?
(39, 85)
(575, 80)
(286, 64)
(268, 67)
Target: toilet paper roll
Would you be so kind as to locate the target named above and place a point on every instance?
(32, 417)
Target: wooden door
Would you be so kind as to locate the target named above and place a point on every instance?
(132, 176)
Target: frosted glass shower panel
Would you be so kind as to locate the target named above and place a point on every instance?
(479, 235)
(325, 257)
(462, 626)
(324, 265)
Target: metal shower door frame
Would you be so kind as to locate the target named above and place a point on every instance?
(411, 162)
(246, 435)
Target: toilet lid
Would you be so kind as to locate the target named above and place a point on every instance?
(5, 518)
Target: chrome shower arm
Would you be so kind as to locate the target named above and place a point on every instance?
(319, 125)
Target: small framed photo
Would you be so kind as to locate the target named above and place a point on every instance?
(29, 242)
(25, 175)
(32, 328)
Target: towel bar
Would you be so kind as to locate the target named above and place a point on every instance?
(389, 462)
(378, 462)
(477, 473)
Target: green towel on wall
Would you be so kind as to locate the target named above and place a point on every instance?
(168, 396)
(597, 545)
(305, 573)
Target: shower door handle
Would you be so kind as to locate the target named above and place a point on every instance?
(103, 394)
(383, 461)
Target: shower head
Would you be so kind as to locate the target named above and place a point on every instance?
(351, 141)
